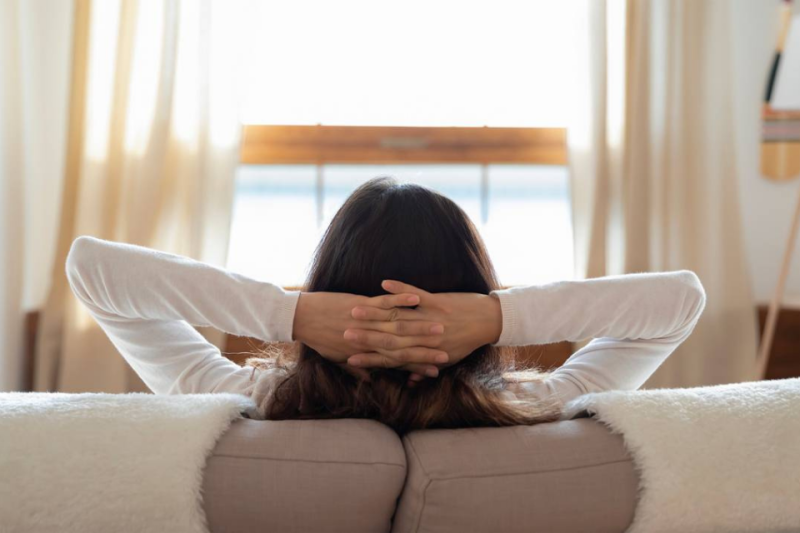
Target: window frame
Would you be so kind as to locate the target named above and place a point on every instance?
(320, 145)
(264, 145)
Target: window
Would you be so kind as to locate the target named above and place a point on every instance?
(512, 182)
(499, 63)
(468, 98)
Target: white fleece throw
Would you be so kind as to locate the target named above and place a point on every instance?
(108, 462)
(722, 458)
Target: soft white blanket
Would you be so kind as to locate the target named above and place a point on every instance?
(722, 458)
(108, 462)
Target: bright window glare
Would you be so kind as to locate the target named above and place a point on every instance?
(434, 63)
(411, 63)
(277, 222)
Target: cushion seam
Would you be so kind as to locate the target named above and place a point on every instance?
(416, 456)
(422, 510)
(533, 472)
(413, 452)
(249, 458)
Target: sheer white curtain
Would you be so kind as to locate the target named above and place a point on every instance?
(152, 146)
(654, 180)
(11, 176)
(35, 38)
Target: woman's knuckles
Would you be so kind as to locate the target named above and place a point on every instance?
(387, 342)
(434, 342)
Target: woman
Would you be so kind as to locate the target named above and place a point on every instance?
(444, 314)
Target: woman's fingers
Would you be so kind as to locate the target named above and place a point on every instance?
(398, 287)
(384, 315)
(377, 340)
(388, 307)
(403, 328)
(388, 301)
(417, 359)
(413, 379)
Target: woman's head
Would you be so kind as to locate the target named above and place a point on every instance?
(406, 232)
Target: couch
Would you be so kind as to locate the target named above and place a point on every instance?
(359, 476)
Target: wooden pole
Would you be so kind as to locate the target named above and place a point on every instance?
(774, 306)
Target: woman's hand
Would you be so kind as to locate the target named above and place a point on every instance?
(322, 318)
(470, 321)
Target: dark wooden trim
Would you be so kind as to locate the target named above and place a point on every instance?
(29, 347)
(266, 145)
(784, 358)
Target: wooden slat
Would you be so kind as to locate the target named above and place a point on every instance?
(29, 347)
(263, 145)
(784, 358)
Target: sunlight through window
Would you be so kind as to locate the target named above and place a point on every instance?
(423, 63)
(415, 63)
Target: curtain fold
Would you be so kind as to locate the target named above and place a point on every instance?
(34, 42)
(153, 143)
(11, 201)
(654, 178)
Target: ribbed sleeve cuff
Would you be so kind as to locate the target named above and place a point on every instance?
(508, 309)
(284, 315)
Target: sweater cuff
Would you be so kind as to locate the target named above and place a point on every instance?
(509, 311)
(284, 316)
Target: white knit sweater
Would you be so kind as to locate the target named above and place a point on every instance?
(147, 301)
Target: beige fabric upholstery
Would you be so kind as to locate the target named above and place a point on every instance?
(304, 476)
(315, 476)
(566, 476)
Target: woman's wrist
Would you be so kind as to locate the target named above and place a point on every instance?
(300, 317)
(492, 319)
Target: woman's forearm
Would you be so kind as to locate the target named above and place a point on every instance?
(636, 321)
(136, 282)
(146, 301)
(631, 306)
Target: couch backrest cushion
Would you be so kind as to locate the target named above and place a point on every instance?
(564, 476)
(304, 476)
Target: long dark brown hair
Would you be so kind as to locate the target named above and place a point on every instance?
(405, 232)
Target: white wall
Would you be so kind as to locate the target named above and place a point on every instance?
(767, 206)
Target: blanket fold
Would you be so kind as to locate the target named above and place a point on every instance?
(108, 462)
(716, 458)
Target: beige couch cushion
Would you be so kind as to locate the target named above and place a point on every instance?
(304, 476)
(563, 476)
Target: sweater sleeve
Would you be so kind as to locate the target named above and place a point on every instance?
(147, 301)
(635, 321)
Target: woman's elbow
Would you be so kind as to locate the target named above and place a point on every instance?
(79, 259)
(79, 254)
(695, 295)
